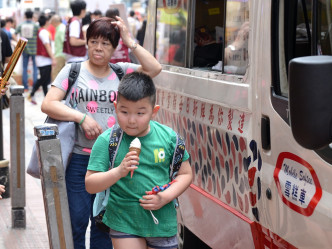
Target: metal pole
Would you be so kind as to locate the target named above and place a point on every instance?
(54, 187)
(17, 156)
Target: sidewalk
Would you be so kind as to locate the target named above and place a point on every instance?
(35, 234)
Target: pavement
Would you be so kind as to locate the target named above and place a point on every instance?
(35, 234)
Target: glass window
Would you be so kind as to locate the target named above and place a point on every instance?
(312, 36)
(237, 36)
(324, 27)
(208, 35)
(172, 16)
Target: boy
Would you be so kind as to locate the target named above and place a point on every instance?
(128, 210)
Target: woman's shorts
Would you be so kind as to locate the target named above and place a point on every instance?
(153, 242)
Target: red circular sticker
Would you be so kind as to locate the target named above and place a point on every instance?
(297, 183)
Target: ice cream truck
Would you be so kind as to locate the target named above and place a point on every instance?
(248, 83)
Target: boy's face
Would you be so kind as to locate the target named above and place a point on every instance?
(134, 117)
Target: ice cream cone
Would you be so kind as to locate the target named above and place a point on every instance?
(138, 151)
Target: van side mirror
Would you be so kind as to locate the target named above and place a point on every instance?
(310, 100)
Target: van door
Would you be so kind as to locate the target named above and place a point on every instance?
(296, 189)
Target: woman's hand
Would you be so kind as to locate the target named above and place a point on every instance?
(91, 128)
(128, 163)
(124, 32)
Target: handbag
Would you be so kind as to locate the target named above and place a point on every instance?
(67, 136)
(66, 129)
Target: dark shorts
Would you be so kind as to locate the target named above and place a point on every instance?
(153, 242)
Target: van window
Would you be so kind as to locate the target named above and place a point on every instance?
(172, 17)
(310, 34)
(201, 45)
(237, 35)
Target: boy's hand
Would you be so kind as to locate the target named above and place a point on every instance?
(128, 163)
(153, 202)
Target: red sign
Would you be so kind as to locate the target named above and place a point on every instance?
(297, 183)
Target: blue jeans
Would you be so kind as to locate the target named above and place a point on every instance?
(25, 69)
(80, 206)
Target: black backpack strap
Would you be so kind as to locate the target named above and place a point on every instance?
(73, 74)
(118, 70)
(177, 157)
(115, 139)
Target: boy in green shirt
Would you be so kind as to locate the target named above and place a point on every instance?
(128, 212)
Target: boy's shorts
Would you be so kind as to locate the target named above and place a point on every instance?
(153, 242)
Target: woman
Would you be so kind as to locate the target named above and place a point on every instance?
(96, 90)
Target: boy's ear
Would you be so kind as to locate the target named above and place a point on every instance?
(155, 110)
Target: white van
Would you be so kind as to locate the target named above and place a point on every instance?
(224, 87)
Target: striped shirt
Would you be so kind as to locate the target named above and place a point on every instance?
(29, 30)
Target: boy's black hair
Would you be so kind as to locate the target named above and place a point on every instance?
(136, 86)
(77, 6)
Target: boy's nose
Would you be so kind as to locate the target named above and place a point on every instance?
(131, 119)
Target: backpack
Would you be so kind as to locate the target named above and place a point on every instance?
(101, 199)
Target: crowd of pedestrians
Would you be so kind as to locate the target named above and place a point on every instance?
(67, 40)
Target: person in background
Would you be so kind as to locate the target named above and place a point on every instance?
(6, 53)
(133, 23)
(86, 22)
(51, 28)
(134, 227)
(96, 14)
(74, 44)
(44, 58)
(121, 54)
(3, 23)
(93, 98)
(9, 29)
(141, 33)
(59, 38)
(29, 29)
